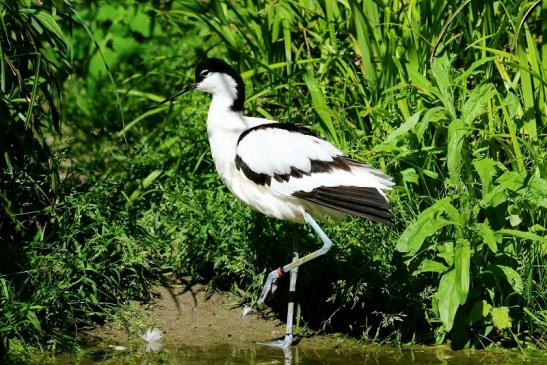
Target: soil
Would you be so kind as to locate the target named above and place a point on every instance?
(193, 316)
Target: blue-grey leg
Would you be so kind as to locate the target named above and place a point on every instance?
(293, 269)
(286, 342)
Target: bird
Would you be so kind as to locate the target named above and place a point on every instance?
(283, 170)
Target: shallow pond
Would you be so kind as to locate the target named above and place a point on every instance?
(302, 355)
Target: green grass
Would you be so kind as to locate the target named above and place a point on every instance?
(450, 99)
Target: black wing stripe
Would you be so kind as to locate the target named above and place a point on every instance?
(256, 177)
(346, 199)
(317, 166)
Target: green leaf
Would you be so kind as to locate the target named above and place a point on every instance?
(320, 105)
(441, 72)
(446, 252)
(456, 138)
(500, 318)
(430, 266)
(140, 23)
(510, 180)
(151, 178)
(487, 169)
(420, 82)
(524, 235)
(410, 176)
(448, 299)
(49, 22)
(425, 225)
(415, 234)
(432, 115)
(513, 278)
(514, 220)
(488, 236)
(404, 128)
(475, 103)
(462, 260)
(480, 310)
(537, 191)
(363, 46)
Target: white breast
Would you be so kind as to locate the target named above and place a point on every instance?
(224, 128)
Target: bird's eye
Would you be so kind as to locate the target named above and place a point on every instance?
(204, 73)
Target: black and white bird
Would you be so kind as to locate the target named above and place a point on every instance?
(283, 170)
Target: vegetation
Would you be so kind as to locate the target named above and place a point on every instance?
(101, 199)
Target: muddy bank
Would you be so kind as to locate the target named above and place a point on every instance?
(198, 324)
(192, 316)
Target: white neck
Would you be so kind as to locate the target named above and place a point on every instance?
(223, 128)
(222, 117)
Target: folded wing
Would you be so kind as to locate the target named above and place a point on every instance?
(289, 160)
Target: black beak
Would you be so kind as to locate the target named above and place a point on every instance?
(183, 91)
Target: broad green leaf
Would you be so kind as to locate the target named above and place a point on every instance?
(426, 224)
(456, 138)
(448, 299)
(49, 22)
(513, 278)
(462, 260)
(514, 220)
(404, 128)
(441, 72)
(446, 252)
(420, 82)
(140, 23)
(431, 115)
(500, 318)
(487, 169)
(430, 266)
(475, 103)
(415, 234)
(481, 309)
(510, 180)
(488, 236)
(521, 234)
(431, 174)
(410, 176)
(538, 191)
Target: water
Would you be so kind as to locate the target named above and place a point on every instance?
(259, 355)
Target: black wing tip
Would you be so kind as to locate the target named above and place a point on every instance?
(364, 202)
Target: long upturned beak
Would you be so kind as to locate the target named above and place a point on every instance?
(171, 98)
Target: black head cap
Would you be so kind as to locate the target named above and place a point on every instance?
(210, 65)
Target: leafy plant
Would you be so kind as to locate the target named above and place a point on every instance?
(447, 98)
(33, 65)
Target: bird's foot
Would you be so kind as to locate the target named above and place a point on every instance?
(271, 284)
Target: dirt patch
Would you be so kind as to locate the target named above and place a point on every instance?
(192, 316)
